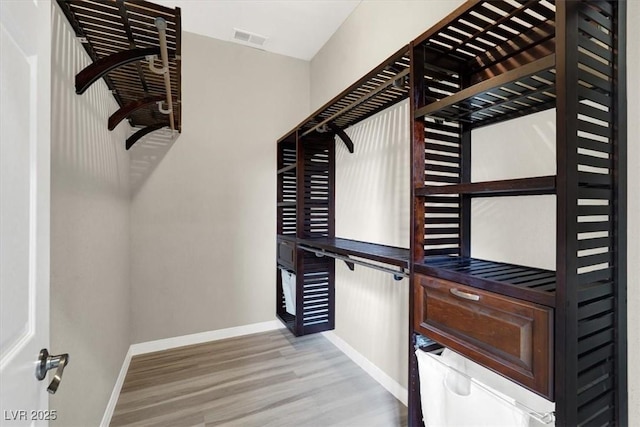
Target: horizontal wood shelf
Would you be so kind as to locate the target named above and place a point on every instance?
(477, 36)
(286, 204)
(384, 86)
(526, 283)
(288, 320)
(382, 253)
(287, 169)
(507, 187)
(286, 237)
(514, 93)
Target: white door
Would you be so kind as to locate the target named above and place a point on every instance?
(25, 68)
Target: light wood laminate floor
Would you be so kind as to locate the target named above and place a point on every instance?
(267, 379)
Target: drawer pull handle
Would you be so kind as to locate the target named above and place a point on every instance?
(465, 295)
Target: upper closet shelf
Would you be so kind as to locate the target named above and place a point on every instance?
(135, 47)
(508, 187)
(515, 93)
(487, 62)
(384, 86)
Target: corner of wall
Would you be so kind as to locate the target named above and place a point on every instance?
(89, 234)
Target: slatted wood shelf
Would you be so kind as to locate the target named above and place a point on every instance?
(286, 204)
(507, 187)
(485, 38)
(286, 237)
(526, 283)
(381, 253)
(514, 93)
(108, 28)
(384, 86)
(288, 320)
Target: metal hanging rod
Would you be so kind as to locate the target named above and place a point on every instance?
(360, 100)
(161, 25)
(397, 274)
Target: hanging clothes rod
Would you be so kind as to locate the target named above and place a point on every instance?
(397, 274)
(360, 100)
(433, 348)
(161, 25)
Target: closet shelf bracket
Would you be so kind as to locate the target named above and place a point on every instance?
(123, 65)
(343, 136)
(125, 111)
(98, 69)
(144, 131)
(380, 89)
(350, 265)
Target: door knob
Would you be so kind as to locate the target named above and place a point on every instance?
(47, 362)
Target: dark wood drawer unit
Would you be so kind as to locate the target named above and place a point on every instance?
(287, 254)
(510, 336)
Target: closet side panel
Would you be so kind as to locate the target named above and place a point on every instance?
(316, 218)
(598, 296)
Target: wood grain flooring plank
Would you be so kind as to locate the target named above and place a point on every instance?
(261, 380)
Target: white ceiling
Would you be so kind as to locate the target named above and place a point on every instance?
(297, 28)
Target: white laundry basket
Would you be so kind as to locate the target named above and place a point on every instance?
(289, 290)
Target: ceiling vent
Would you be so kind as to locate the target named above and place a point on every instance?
(246, 37)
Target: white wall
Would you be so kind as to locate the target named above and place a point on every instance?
(526, 148)
(203, 224)
(372, 204)
(369, 305)
(374, 30)
(372, 185)
(89, 236)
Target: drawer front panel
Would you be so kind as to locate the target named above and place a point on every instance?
(509, 336)
(287, 255)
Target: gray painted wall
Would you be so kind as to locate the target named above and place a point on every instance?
(203, 224)
(89, 236)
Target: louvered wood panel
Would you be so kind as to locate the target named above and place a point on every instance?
(287, 188)
(597, 321)
(315, 295)
(442, 166)
(317, 215)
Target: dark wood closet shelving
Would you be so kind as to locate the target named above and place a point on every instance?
(526, 283)
(507, 187)
(381, 253)
(287, 237)
(562, 333)
(515, 93)
(119, 36)
(379, 89)
(287, 168)
(306, 202)
(485, 63)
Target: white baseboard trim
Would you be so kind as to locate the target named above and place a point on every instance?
(111, 405)
(168, 343)
(202, 337)
(199, 338)
(376, 373)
